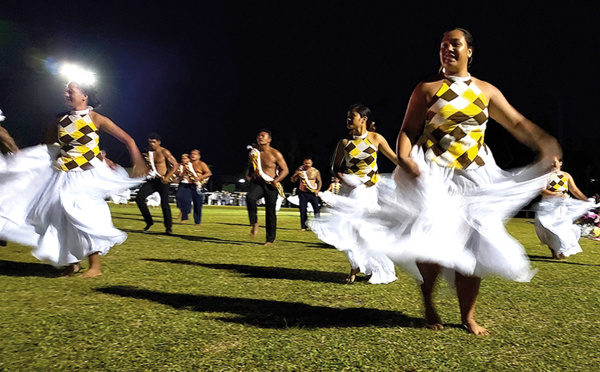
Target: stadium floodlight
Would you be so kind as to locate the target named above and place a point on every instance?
(75, 73)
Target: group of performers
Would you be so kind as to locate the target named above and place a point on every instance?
(163, 170)
(442, 212)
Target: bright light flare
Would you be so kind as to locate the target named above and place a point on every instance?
(78, 74)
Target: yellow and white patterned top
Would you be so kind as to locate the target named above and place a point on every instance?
(558, 183)
(360, 157)
(335, 188)
(78, 138)
(455, 124)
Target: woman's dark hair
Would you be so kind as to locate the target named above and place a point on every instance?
(363, 111)
(469, 39)
(90, 91)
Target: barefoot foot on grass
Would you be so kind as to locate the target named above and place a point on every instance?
(433, 321)
(472, 327)
(91, 273)
(254, 230)
(352, 276)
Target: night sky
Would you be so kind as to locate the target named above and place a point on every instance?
(210, 74)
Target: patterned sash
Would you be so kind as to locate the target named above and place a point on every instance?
(254, 156)
(193, 176)
(306, 182)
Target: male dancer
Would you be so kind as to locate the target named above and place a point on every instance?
(162, 167)
(7, 145)
(266, 169)
(198, 174)
(310, 185)
(183, 178)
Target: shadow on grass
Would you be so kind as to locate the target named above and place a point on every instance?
(552, 260)
(248, 225)
(193, 238)
(310, 245)
(139, 218)
(268, 272)
(24, 269)
(270, 313)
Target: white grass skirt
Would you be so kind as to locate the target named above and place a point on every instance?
(554, 225)
(347, 228)
(62, 215)
(454, 218)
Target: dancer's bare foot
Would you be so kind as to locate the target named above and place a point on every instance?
(433, 320)
(561, 257)
(267, 243)
(91, 273)
(70, 270)
(254, 230)
(472, 327)
(352, 276)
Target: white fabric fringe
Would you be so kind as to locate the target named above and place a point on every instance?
(554, 225)
(62, 215)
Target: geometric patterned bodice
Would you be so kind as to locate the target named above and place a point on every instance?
(335, 188)
(360, 157)
(455, 125)
(558, 183)
(78, 138)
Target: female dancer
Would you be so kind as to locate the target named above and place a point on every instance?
(556, 212)
(452, 199)
(60, 208)
(355, 163)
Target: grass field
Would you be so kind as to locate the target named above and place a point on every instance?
(210, 298)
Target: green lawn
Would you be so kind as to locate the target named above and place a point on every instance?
(211, 298)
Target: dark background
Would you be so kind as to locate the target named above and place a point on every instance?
(210, 74)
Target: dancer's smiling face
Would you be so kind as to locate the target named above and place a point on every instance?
(455, 52)
(74, 97)
(354, 121)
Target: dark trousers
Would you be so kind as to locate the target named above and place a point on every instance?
(150, 187)
(305, 198)
(187, 194)
(257, 190)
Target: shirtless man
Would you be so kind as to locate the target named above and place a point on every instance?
(162, 167)
(307, 193)
(198, 174)
(273, 165)
(183, 178)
